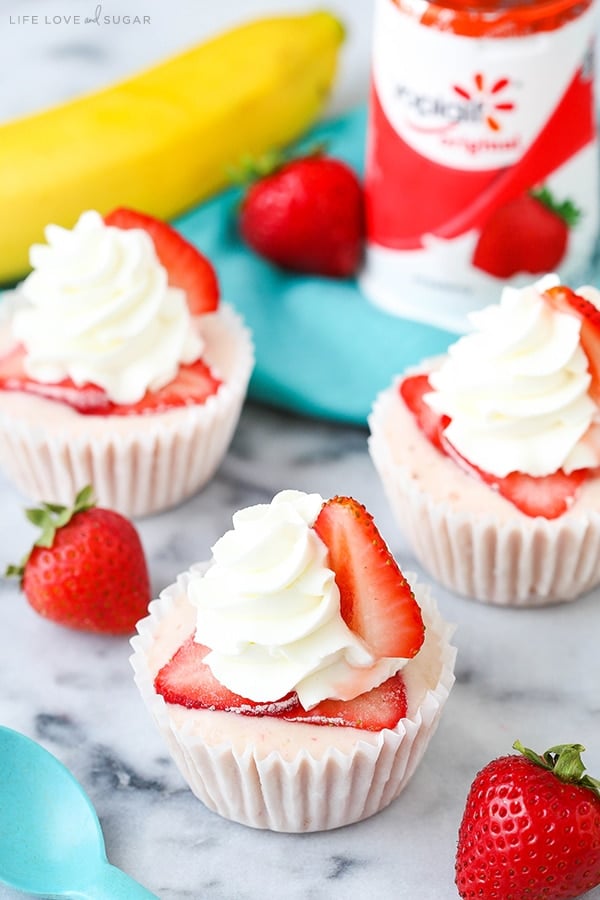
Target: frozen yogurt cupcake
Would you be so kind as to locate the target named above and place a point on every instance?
(489, 456)
(297, 677)
(119, 366)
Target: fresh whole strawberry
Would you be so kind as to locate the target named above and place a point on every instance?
(187, 268)
(87, 570)
(530, 829)
(528, 234)
(307, 216)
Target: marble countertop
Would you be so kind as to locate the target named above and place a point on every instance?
(531, 675)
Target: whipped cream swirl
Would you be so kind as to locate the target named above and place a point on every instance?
(516, 388)
(269, 610)
(100, 310)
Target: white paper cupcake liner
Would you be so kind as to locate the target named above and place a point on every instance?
(137, 464)
(285, 776)
(469, 538)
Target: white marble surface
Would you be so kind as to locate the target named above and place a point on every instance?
(534, 675)
(528, 674)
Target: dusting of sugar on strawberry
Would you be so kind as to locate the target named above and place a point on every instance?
(187, 681)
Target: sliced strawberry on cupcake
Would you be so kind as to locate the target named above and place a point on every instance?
(377, 605)
(87, 399)
(283, 709)
(120, 322)
(548, 496)
(376, 601)
(187, 681)
(413, 391)
(188, 269)
(381, 707)
(193, 384)
(566, 300)
(490, 454)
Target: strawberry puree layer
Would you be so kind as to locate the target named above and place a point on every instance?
(468, 536)
(269, 734)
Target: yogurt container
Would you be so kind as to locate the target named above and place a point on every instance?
(482, 155)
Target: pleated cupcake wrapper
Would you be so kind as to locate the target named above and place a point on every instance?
(137, 464)
(305, 793)
(517, 563)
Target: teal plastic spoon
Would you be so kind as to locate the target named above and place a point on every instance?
(51, 843)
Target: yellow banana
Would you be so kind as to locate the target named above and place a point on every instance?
(163, 140)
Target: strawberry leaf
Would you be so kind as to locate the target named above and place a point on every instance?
(38, 516)
(254, 168)
(565, 210)
(84, 499)
(564, 761)
(49, 518)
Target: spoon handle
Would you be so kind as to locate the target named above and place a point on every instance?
(111, 883)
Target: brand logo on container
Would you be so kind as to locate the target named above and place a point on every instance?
(478, 104)
(490, 99)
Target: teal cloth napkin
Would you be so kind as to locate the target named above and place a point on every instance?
(322, 349)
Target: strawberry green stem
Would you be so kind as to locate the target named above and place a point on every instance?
(564, 761)
(253, 168)
(49, 517)
(565, 209)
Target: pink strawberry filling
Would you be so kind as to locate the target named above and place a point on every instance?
(549, 496)
(193, 384)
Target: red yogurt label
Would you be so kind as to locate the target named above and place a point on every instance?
(481, 161)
